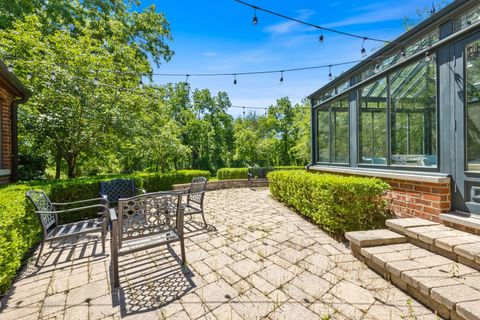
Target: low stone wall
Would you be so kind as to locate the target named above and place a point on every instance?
(227, 184)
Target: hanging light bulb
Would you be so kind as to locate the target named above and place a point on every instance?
(53, 76)
(243, 111)
(266, 112)
(29, 76)
(403, 53)
(140, 83)
(321, 38)
(10, 67)
(186, 78)
(95, 81)
(255, 19)
(330, 75)
(235, 79)
(428, 57)
(363, 51)
(281, 77)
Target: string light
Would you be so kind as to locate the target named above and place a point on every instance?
(377, 66)
(330, 75)
(363, 51)
(266, 112)
(10, 67)
(308, 23)
(255, 19)
(281, 77)
(95, 81)
(321, 38)
(186, 78)
(235, 79)
(244, 112)
(29, 76)
(53, 76)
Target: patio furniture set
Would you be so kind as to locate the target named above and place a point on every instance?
(137, 220)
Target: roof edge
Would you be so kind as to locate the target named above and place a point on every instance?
(13, 80)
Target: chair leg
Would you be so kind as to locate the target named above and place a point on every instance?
(40, 253)
(182, 248)
(104, 235)
(204, 221)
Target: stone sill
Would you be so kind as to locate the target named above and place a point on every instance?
(466, 221)
(5, 172)
(389, 174)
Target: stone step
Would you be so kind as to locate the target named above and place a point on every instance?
(451, 243)
(446, 286)
(369, 238)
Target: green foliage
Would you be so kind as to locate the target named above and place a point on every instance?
(19, 231)
(161, 182)
(232, 173)
(336, 203)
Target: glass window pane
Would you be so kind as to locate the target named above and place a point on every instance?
(340, 131)
(373, 123)
(323, 153)
(413, 92)
(473, 106)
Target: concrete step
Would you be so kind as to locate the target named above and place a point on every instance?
(446, 286)
(454, 244)
(371, 238)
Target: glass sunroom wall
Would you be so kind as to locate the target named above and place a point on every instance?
(323, 135)
(373, 123)
(340, 130)
(472, 77)
(413, 115)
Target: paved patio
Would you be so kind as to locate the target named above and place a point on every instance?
(257, 260)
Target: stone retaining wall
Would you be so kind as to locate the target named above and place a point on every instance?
(227, 184)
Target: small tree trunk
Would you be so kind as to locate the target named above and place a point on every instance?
(71, 161)
(58, 159)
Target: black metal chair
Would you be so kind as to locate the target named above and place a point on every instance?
(144, 222)
(195, 195)
(115, 189)
(48, 215)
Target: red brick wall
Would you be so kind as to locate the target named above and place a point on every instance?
(419, 199)
(6, 146)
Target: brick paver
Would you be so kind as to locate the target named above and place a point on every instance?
(256, 260)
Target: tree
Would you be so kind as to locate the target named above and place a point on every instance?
(281, 118)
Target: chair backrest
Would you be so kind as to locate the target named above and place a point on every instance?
(197, 187)
(42, 203)
(117, 188)
(150, 213)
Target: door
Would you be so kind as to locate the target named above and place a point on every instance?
(466, 175)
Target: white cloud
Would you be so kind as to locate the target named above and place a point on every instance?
(289, 26)
(210, 54)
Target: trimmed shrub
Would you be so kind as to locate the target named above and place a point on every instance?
(232, 173)
(19, 231)
(336, 203)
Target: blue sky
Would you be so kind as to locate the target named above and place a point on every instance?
(218, 36)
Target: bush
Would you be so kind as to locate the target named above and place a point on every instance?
(19, 225)
(19, 231)
(232, 173)
(242, 173)
(336, 203)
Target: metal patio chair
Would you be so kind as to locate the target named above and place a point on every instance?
(47, 213)
(146, 221)
(195, 195)
(115, 189)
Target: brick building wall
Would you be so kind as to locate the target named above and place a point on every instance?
(6, 140)
(419, 199)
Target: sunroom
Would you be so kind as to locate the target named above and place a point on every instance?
(410, 114)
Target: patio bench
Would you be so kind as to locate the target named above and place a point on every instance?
(143, 222)
(48, 215)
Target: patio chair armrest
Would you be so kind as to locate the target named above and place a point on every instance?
(106, 208)
(101, 199)
(113, 214)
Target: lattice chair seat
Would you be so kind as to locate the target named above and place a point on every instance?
(146, 221)
(47, 212)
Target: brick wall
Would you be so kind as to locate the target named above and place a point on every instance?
(6, 146)
(419, 199)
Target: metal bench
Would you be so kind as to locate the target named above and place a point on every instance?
(48, 215)
(146, 221)
(115, 189)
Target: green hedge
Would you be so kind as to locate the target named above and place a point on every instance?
(20, 228)
(242, 173)
(336, 203)
(232, 173)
